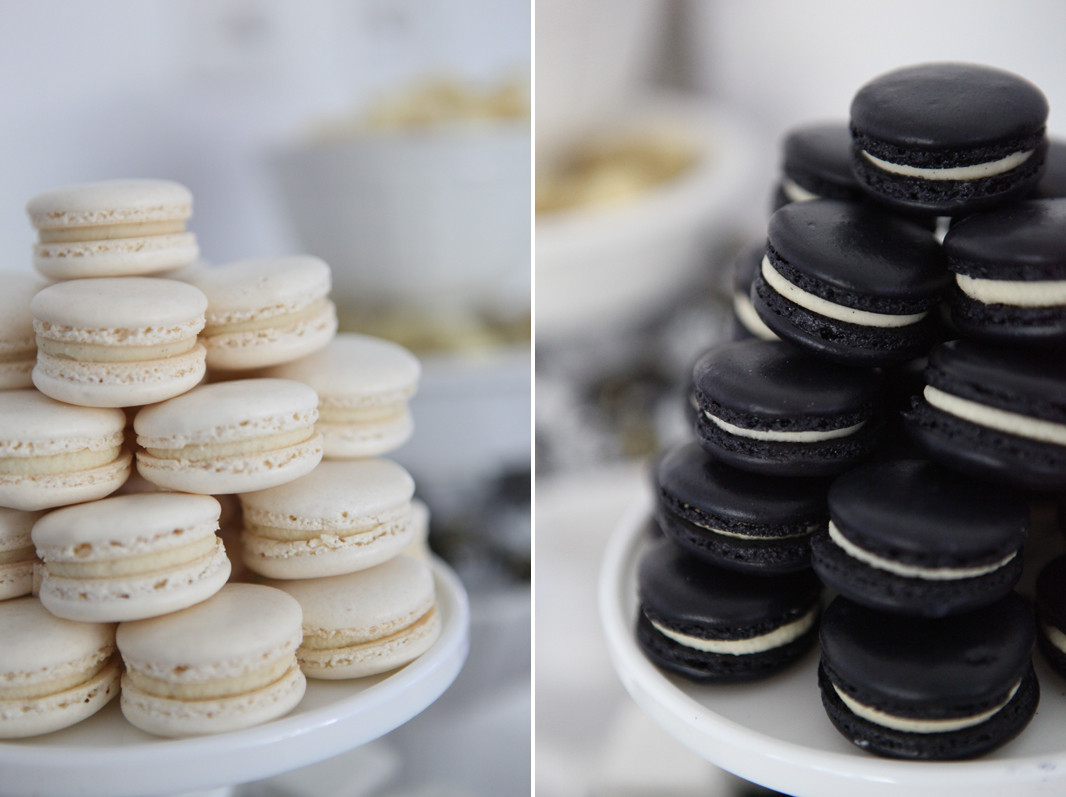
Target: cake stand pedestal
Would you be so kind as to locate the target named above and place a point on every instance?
(775, 732)
(105, 756)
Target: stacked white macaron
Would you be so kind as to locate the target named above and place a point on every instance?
(127, 349)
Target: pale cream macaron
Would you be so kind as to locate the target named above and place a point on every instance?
(112, 228)
(230, 437)
(18, 345)
(130, 556)
(364, 385)
(222, 665)
(54, 673)
(266, 311)
(119, 342)
(53, 454)
(342, 517)
(17, 555)
(368, 622)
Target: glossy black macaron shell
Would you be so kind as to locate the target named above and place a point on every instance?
(817, 158)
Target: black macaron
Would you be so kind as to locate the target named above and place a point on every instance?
(912, 537)
(766, 407)
(849, 283)
(817, 165)
(967, 680)
(746, 322)
(711, 624)
(1010, 271)
(948, 138)
(738, 520)
(1051, 612)
(994, 412)
(1052, 183)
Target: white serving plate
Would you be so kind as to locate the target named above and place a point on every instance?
(776, 733)
(105, 756)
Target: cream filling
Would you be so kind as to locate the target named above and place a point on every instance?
(736, 535)
(232, 448)
(354, 637)
(911, 725)
(97, 353)
(58, 463)
(779, 637)
(912, 571)
(1054, 636)
(105, 232)
(314, 529)
(995, 418)
(795, 192)
(251, 681)
(305, 313)
(973, 172)
(806, 436)
(133, 565)
(52, 686)
(26, 554)
(745, 311)
(823, 307)
(1049, 293)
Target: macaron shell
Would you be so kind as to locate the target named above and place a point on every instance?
(110, 202)
(32, 424)
(261, 288)
(120, 311)
(37, 716)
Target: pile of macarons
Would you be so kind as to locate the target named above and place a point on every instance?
(196, 513)
(869, 448)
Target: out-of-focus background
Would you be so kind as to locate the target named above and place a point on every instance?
(391, 138)
(658, 147)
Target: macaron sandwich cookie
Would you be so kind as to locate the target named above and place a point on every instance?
(265, 312)
(912, 537)
(230, 437)
(817, 164)
(737, 520)
(1010, 273)
(363, 385)
(947, 688)
(367, 622)
(767, 407)
(118, 342)
(710, 624)
(56, 674)
(948, 138)
(18, 343)
(131, 556)
(994, 412)
(53, 454)
(342, 517)
(222, 665)
(17, 554)
(112, 228)
(1051, 613)
(849, 283)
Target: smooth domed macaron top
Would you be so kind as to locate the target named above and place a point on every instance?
(353, 366)
(110, 303)
(17, 289)
(950, 663)
(777, 382)
(375, 597)
(268, 286)
(45, 641)
(925, 514)
(337, 494)
(859, 250)
(1027, 239)
(821, 150)
(693, 478)
(29, 419)
(686, 592)
(1051, 592)
(237, 622)
(110, 202)
(948, 105)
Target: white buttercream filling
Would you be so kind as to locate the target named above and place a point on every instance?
(995, 418)
(912, 571)
(823, 307)
(1054, 636)
(745, 311)
(1048, 293)
(805, 533)
(805, 436)
(796, 192)
(973, 172)
(911, 725)
(779, 637)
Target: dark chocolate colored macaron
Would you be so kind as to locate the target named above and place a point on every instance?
(817, 165)
(711, 624)
(849, 283)
(948, 688)
(948, 138)
(767, 407)
(746, 322)
(1051, 613)
(994, 412)
(913, 537)
(734, 519)
(1010, 272)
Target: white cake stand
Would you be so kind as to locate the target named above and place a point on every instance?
(107, 757)
(775, 732)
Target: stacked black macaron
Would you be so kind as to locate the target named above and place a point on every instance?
(803, 458)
